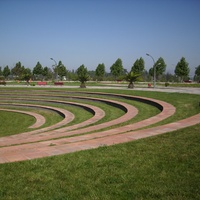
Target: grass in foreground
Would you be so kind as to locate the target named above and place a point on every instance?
(161, 167)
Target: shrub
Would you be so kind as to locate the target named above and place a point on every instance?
(166, 84)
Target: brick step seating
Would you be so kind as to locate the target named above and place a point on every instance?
(167, 110)
(82, 142)
(131, 111)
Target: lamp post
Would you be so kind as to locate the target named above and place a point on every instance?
(154, 79)
(55, 67)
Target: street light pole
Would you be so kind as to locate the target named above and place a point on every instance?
(154, 81)
(55, 67)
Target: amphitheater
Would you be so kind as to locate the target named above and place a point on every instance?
(67, 136)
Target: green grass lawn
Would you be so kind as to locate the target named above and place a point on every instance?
(15, 123)
(10, 120)
(160, 167)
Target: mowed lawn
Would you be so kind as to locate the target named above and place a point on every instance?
(160, 167)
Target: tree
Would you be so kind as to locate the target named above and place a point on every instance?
(182, 70)
(26, 75)
(17, 70)
(1, 72)
(160, 67)
(138, 66)
(47, 73)
(100, 71)
(197, 71)
(131, 78)
(72, 75)
(6, 72)
(38, 70)
(117, 68)
(83, 76)
(61, 69)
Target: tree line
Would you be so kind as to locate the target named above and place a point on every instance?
(117, 72)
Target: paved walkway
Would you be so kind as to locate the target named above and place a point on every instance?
(173, 90)
(113, 136)
(188, 90)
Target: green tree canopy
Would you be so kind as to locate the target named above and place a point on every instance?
(47, 73)
(26, 74)
(83, 76)
(6, 72)
(38, 69)
(197, 71)
(100, 71)
(61, 69)
(138, 66)
(1, 72)
(117, 68)
(151, 71)
(182, 70)
(160, 67)
(17, 70)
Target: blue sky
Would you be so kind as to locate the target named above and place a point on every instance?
(90, 32)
